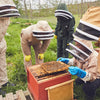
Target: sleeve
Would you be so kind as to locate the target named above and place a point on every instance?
(1, 36)
(57, 28)
(71, 61)
(71, 29)
(87, 77)
(92, 68)
(44, 46)
(26, 48)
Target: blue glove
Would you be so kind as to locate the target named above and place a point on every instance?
(65, 60)
(77, 71)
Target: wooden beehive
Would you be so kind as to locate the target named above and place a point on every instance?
(62, 91)
(38, 85)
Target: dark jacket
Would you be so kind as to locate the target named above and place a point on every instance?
(64, 27)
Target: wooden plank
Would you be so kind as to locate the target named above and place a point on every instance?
(9, 96)
(20, 95)
(51, 78)
(62, 91)
(58, 85)
(1, 97)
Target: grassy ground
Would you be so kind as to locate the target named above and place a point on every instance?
(15, 67)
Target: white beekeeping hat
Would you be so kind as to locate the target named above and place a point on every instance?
(8, 8)
(42, 30)
(89, 26)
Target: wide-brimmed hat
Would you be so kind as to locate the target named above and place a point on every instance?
(63, 13)
(80, 51)
(42, 31)
(89, 26)
(8, 9)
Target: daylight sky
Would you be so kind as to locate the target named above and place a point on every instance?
(36, 2)
(79, 1)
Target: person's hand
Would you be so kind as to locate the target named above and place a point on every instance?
(41, 56)
(67, 44)
(65, 60)
(55, 36)
(27, 58)
(77, 71)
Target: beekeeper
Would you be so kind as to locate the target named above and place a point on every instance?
(38, 36)
(7, 10)
(87, 68)
(64, 29)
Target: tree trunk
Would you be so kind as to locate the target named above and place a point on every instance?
(25, 6)
(81, 8)
(31, 11)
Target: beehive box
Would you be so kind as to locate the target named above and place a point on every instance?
(37, 86)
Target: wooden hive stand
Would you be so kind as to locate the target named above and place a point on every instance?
(20, 95)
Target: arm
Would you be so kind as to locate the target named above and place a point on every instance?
(92, 66)
(4, 23)
(57, 27)
(26, 35)
(74, 70)
(90, 72)
(1, 36)
(67, 60)
(25, 46)
(71, 29)
(44, 46)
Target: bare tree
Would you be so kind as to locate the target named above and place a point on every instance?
(30, 8)
(25, 7)
(81, 8)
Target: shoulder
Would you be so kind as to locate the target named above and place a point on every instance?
(27, 32)
(28, 29)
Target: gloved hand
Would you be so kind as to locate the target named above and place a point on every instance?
(41, 56)
(77, 71)
(67, 44)
(27, 58)
(55, 36)
(65, 60)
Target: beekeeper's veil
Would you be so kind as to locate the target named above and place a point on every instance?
(81, 50)
(8, 8)
(42, 30)
(62, 11)
(89, 26)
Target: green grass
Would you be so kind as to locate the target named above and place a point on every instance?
(15, 66)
